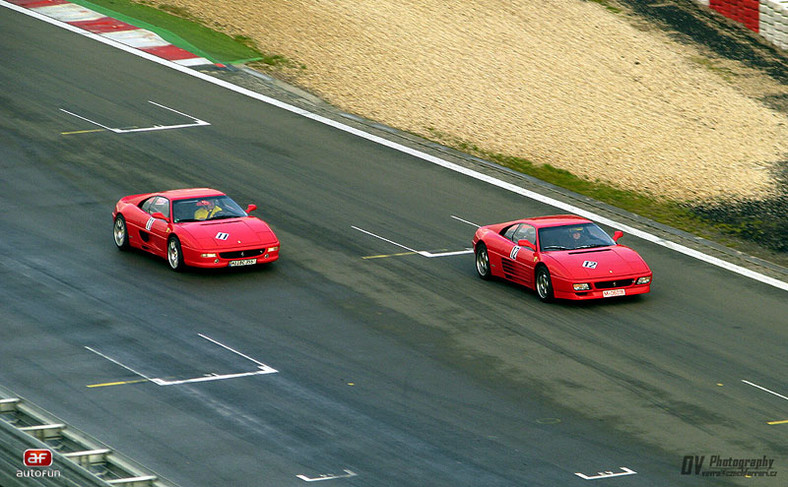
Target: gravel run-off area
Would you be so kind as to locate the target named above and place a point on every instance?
(570, 83)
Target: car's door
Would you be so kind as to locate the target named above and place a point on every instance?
(517, 262)
(157, 229)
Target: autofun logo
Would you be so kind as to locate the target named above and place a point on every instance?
(727, 466)
(38, 461)
(37, 458)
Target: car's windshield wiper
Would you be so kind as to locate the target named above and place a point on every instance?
(554, 247)
(592, 246)
(222, 217)
(186, 220)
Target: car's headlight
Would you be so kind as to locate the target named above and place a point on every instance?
(207, 256)
(643, 280)
(581, 287)
(273, 249)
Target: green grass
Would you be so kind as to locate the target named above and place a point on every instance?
(180, 28)
(607, 5)
(729, 224)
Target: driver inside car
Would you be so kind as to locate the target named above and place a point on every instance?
(206, 209)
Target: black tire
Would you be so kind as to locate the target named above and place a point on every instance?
(482, 261)
(543, 284)
(175, 254)
(120, 233)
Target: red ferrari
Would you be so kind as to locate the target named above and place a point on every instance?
(198, 227)
(561, 256)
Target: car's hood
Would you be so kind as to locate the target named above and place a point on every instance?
(230, 233)
(599, 263)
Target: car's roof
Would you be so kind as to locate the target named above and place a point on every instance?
(175, 194)
(554, 220)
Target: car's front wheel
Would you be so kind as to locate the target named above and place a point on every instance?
(544, 285)
(482, 261)
(175, 254)
(120, 233)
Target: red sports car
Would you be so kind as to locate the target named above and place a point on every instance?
(198, 227)
(561, 256)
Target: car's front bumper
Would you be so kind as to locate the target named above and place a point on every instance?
(231, 258)
(563, 289)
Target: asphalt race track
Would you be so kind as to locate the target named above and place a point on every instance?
(387, 367)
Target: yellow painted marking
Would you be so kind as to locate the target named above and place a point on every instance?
(82, 132)
(387, 255)
(784, 421)
(107, 384)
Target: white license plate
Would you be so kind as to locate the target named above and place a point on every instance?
(613, 292)
(239, 263)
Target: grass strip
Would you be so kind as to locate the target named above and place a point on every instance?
(186, 33)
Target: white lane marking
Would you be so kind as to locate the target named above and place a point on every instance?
(260, 364)
(606, 474)
(197, 122)
(465, 221)
(422, 253)
(263, 368)
(384, 239)
(347, 474)
(120, 364)
(430, 255)
(765, 389)
(209, 378)
(415, 153)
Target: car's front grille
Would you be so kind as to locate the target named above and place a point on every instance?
(612, 284)
(242, 254)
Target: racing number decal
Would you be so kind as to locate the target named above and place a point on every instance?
(222, 236)
(514, 252)
(590, 264)
(150, 223)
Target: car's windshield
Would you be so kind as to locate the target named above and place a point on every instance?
(573, 237)
(207, 208)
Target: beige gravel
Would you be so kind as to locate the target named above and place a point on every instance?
(564, 82)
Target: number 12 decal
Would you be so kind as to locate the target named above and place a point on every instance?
(514, 252)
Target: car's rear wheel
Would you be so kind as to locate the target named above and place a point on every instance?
(120, 233)
(175, 254)
(482, 261)
(544, 285)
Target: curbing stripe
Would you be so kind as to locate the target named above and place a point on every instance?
(97, 23)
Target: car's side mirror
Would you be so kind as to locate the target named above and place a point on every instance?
(526, 244)
(251, 207)
(617, 235)
(159, 215)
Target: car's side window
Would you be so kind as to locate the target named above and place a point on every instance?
(160, 205)
(157, 204)
(146, 204)
(509, 232)
(525, 232)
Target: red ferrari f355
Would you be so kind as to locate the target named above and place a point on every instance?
(198, 227)
(563, 256)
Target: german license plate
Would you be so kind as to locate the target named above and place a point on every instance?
(613, 292)
(239, 263)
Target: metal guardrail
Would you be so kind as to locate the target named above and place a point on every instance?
(77, 459)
